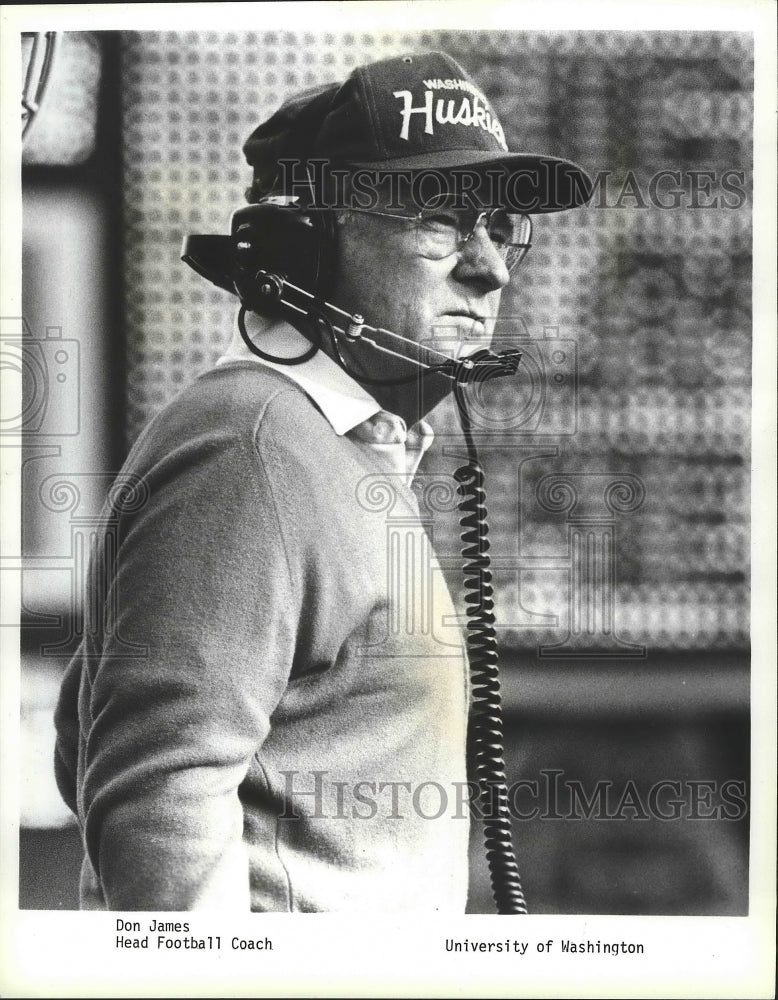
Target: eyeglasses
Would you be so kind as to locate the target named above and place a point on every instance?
(441, 232)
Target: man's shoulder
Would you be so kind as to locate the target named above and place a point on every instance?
(237, 400)
(241, 393)
(232, 411)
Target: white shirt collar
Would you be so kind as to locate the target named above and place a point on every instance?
(340, 398)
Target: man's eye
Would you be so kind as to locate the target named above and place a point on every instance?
(500, 236)
(501, 230)
(440, 222)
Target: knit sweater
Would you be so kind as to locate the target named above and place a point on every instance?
(261, 640)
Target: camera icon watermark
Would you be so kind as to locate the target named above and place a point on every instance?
(48, 369)
(541, 400)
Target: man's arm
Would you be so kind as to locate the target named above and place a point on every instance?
(203, 581)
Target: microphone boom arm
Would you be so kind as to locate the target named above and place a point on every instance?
(351, 326)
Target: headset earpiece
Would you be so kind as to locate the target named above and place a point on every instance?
(296, 244)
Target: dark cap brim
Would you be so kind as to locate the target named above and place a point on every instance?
(528, 182)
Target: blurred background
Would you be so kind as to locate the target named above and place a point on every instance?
(617, 471)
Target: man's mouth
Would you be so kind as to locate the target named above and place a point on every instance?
(464, 315)
(470, 325)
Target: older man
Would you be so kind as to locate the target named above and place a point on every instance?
(281, 744)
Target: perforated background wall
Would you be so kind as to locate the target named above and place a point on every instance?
(656, 300)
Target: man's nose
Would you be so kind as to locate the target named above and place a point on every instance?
(480, 262)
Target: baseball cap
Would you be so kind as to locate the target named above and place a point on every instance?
(412, 113)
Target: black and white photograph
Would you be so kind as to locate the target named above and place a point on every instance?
(388, 525)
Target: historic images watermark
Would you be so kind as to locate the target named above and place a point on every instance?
(549, 796)
(526, 189)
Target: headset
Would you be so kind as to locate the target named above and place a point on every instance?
(279, 259)
(277, 236)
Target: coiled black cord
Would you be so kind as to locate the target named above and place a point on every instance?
(485, 737)
(485, 734)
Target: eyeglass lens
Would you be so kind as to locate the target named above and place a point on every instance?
(443, 231)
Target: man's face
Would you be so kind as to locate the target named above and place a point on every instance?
(382, 275)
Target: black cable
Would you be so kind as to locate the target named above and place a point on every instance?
(299, 360)
(485, 738)
(318, 322)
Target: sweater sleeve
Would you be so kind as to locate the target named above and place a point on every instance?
(202, 581)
